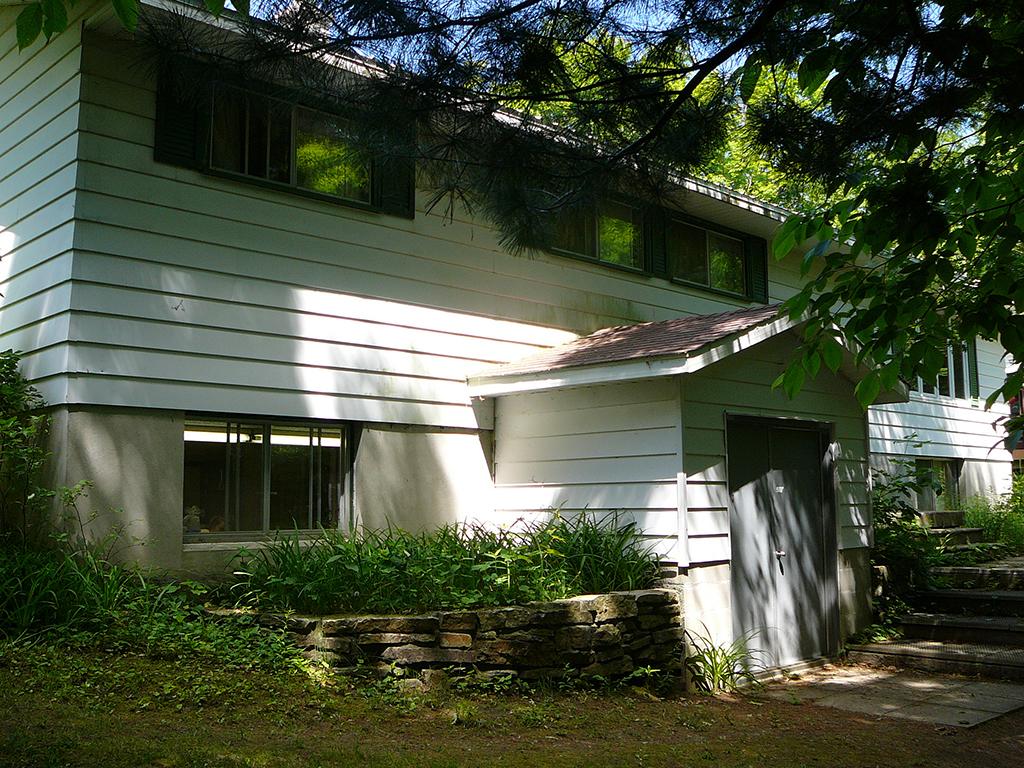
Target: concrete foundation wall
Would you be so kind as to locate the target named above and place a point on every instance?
(854, 591)
(415, 479)
(134, 461)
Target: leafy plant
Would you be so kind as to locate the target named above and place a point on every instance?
(394, 571)
(717, 667)
(22, 429)
(1002, 517)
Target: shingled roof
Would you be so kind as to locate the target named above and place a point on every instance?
(666, 338)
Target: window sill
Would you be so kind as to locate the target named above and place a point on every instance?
(206, 542)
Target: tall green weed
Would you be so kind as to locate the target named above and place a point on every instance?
(1001, 517)
(394, 571)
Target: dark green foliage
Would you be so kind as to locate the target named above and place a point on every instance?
(81, 597)
(393, 571)
(902, 544)
(22, 431)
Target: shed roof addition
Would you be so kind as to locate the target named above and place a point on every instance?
(634, 351)
(647, 350)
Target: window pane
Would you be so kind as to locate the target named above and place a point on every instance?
(619, 236)
(725, 262)
(324, 160)
(223, 484)
(943, 379)
(227, 142)
(573, 234)
(959, 373)
(687, 253)
(245, 504)
(258, 116)
(280, 137)
(290, 477)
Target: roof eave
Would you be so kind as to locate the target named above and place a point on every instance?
(483, 385)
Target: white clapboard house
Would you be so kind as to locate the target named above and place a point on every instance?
(228, 350)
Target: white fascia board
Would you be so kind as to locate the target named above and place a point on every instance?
(633, 370)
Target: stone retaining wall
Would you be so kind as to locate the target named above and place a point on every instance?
(608, 635)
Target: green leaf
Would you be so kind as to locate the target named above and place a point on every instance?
(814, 69)
(812, 362)
(832, 351)
(889, 375)
(29, 24)
(867, 389)
(786, 237)
(242, 6)
(128, 12)
(748, 83)
(793, 380)
(55, 17)
(1011, 440)
(215, 6)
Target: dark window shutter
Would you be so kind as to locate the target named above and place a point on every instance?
(757, 262)
(394, 186)
(972, 369)
(656, 256)
(177, 140)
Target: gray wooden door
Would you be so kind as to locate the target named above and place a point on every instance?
(782, 539)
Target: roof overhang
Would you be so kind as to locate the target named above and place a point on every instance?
(495, 384)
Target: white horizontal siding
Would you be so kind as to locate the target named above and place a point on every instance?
(945, 427)
(740, 385)
(39, 92)
(235, 283)
(606, 449)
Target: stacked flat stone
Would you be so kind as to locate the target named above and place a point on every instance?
(608, 635)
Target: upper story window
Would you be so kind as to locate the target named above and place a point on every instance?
(246, 477)
(706, 258)
(269, 139)
(275, 143)
(669, 245)
(613, 234)
(957, 378)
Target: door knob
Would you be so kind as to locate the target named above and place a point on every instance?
(779, 554)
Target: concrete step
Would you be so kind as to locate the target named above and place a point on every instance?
(946, 628)
(998, 662)
(1005, 574)
(959, 536)
(953, 519)
(975, 602)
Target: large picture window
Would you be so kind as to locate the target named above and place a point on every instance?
(258, 477)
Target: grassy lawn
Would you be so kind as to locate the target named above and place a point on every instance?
(61, 706)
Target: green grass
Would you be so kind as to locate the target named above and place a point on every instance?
(63, 707)
(393, 571)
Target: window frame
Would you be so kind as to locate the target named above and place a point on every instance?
(653, 223)
(964, 380)
(592, 239)
(709, 228)
(182, 137)
(227, 423)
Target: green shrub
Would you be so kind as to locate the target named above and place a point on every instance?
(1002, 518)
(902, 544)
(22, 429)
(394, 571)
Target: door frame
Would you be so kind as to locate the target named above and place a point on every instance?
(829, 593)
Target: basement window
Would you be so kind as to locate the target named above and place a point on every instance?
(253, 477)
